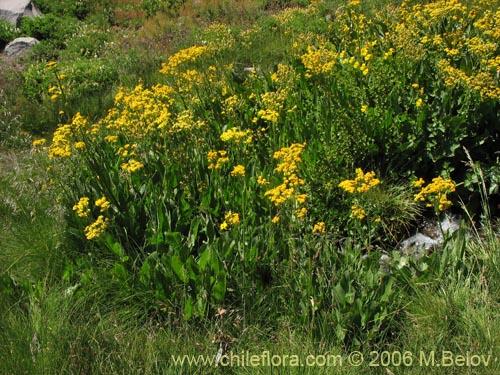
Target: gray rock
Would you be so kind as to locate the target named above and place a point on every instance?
(20, 46)
(417, 244)
(13, 10)
(432, 235)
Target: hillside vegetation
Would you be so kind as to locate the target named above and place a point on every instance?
(193, 178)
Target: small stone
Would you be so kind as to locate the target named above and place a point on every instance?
(20, 46)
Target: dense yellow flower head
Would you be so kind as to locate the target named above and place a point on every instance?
(39, 142)
(239, 170)
(132, 165)
(102, 203)
(435, 193)
(94, 230)
(358, 212)
(319, 60)
(230, 219)
(186, 55)
(319, 227)
(82, 207)
(361, 184)
(236, 136)
(217, 158)
(61, 142)
(289, 158)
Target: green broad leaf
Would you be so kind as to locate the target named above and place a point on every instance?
(115, 247)
(188, 308)
(339, 291)
(252, 254)
(388, 290)
(230, 249)
(191, 268)
(145, 273)
(219, 289)
(178, 268)
(193, 232)
(205, 258)
(120, 272)
(173, 238)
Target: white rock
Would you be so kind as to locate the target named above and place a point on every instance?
(20, 46)
(13, 10)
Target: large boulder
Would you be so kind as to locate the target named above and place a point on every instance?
(13, 10)
(20, 46)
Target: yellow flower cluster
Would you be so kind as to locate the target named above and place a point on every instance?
(239, 170)
(82, 207)
(217, 158)
(319, 60)
(358, 212)
(235, 135)
(61, 142)
(140, 111)
(232, 104)
(39, 142)
(185, 122)
(319, 227)
(95, 229)
(218, 36)
(63, 136)
(132, 165)
(186, 55)
(361, 184)
(54, 92)
(102, 203)
(435, 193)
(289, 157)
(457, 32)
(230, 219)
(273, 103)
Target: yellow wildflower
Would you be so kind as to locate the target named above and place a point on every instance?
(319, 227)
(239, 170)
(51, 65)
(82, 207)
(102, 203)
(95, 229)
(301, 213)
(419, 183)
(435, 193)
(216, 158)
(361, 184)
(262, 181)
(39, 142)
(79, 145)
(358, 212)
(111, 138)
(132, 165)
(236, 135)
(230, 219)
(301, 198)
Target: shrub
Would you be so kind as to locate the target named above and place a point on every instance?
(7, 33)
(51, 27)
